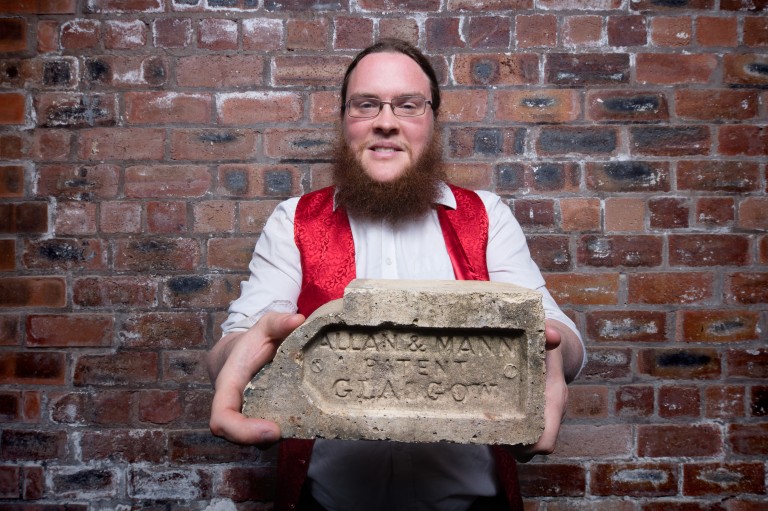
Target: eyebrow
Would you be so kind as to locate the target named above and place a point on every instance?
(376, 96)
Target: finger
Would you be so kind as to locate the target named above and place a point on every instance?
(553, 337)
(230, 424)
(275, 326)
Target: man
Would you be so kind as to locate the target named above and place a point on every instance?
(390, 216)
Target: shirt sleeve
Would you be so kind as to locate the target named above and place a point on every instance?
(509, 259)
(275, 273)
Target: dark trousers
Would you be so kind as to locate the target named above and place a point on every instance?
(496, 503)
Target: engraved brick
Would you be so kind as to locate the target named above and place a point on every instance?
(365, 381)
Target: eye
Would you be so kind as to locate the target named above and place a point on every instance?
(365, 104)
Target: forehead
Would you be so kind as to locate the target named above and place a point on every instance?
(387, 75)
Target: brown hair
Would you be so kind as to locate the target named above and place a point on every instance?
(395, 46)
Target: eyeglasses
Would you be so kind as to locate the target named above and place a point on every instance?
(403, 106)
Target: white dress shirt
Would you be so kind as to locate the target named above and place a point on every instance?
(354, 475)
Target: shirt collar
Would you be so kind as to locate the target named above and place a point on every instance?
(445, 197)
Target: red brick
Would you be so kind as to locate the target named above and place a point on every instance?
(653, 5)
(716, 31)
(715, 211)
(628, 176)
(247, 484)
(118, 291)
(167, 108)
(661, 441)
(163, 330)
(489, 32)
(587, 5)
(189, 483)
(298, 143)
(35, 446)
(121, 144)
(9, 482)
(173, 32)
(627, 30)
(582, 31)
(749, 439)
(567, 141)
(592, 441)
(753, 213)
(724, 402)
(629, 106)
(758, 401)
(584, 288)
(13, 108)
(65, 254)
(230, 253)
(550, 253)
(32, 368)
(75, 218)
(221, 71)
(755, 31)
(213, 144)
(126, 71)
(147, 255)
(718, 176)
(406, 29)
(743, 140)
(634, 479)
(23, 217)
(658, 68)
(716, 105)
(575, 69)
(187, 367)
(308, 71)
(671, 31)
(744, 5)
(708, 250)
(69, 408)
(166, 217)
(534, 213)
(552, 480)
(83, 482)
(14, 38)
(610, 251)
(472, 142)
(143, 181)
(670, 287)
(11, 181)
(198, 291)
(31, 406)
(352, 33)
(742, 69)
(47, 36)
(217, 34)
(487, 5)
(634, 401)
(12, 146)
(627, 326)
(113, 407)
(747, 288)
(262, 34)
(246, 108)
(324, 107)
(496, 69)
(33, 292)
(539, 30)
(73, 330)
(78, 182)
(587, 402)
(723, 478)
(213, 216)
(125, 35)
(668, 213)
(670, 140)
(129, 446)
(443, 33)
(579, 214)
(159, 406)
(50, 145)
(679, 364)
(123, 6)
(253, 215)
(202, 447)
(7, 255)
(553, 105)
(120, 216)
(306, 34)
(678, 401)
(607, 364)
(764, 249)
(121, 368)
(197, 404)
(748, 363)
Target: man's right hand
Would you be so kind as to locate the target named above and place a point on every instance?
(232, 363)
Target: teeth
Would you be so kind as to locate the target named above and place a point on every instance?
(384, 149)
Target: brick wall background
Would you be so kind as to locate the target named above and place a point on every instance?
(144, 143)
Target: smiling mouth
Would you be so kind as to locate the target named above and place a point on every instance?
(385, 149)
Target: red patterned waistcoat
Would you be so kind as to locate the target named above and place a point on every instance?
(324, 239)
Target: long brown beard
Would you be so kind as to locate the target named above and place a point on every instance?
(409, 196)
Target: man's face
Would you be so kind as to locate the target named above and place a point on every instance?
(387, 145)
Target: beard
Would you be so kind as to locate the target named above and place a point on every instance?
(410, 196)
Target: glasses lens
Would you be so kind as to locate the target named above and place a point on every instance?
(364, 107)
(409, 106)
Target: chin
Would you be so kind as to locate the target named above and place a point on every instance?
(385, 175)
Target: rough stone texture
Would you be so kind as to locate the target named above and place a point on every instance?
(412, 361)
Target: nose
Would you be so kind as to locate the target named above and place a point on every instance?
(386, 122)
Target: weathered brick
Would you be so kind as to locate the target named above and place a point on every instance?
(187, 367)
(246, 108)
(121, 144)
(126, 71)
(221, 71)
(723, 478)
(113, 407)
(715, 211)
(7, 255)
(11, 181)
(50, 145)
(496, 69)
(671, 31)
(144, 255)
(74, 218)
(32, 368)
(668, 69)
(143, 181)
(579, 214)
(74, 110)
(534, 213)
(604, 364)
(213, 216)
(71, 330)
(79, 182)
(118, 291)
(13, 108)
(755, 31)
(33, 445)
(680, 364)
(120, 216)
(585, 441)
(748, 363)
(587, 402)
(584, 288)
(217, 34)
(743, 140)
(47, 36)
(121, 6)
(624, 214)
(627, 30)
(758, 401)
(716, 31)
(587, 5)
(747, 288)
(166, 217)
(486, 142)
(487, 5)
(172, 32)
(753, 213)
(169, 483)
(628, 176)
(670, 287)
(262, 34)
(724, 401)
(718, 176)
(202, 447)
(627, 325)
(587, 69)
(668, 213)
(749, 439)
(443, 33)
(352, 32)
(117, 369)
(716, 105)
(744, 5)
(33, 292)
(577, 141)
(655, 441)
(79, 482)
(196, 291)
(708, 250)
(308, 71)
(69, 407)
(628, 106)
(489, 32)
(630, 251)
(304, 34)
(745, 69)
(536, 30)
(159, 406)
(230, 253)
(65, 254)
(125, 35)
(12, 145)
(634, 479)
(163, 330)
(61, 72)
(634, 401)
(679, 401)
(669, 140)
(672, 5)
(549, 105)
(582, 31)
(298, 143)
(253, 215)
(406, 29)
(129, 446)
(247, 484)
(213, 144)
(14, 34)
(552, 480)
(167, 108)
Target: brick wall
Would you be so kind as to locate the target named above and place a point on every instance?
(144, 143)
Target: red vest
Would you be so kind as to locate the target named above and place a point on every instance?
(324, 239)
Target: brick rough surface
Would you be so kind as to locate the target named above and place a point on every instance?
(144, 144)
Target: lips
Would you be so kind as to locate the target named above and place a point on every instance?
(384, 147)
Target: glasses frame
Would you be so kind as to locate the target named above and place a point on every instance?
(381, 107)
